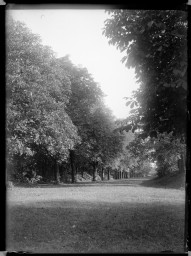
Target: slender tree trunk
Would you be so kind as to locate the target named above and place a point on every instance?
(102, 173)
(47, 170)
(181, 163)
(72, 165)
(108, 174)
(51, 170)
(61, 172)
(44, 169)
(82, 172)
(54, 171)
(57, 174)
(64, 177)
(94, 171)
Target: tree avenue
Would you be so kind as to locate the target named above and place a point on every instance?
(57, 124)
(155, 44)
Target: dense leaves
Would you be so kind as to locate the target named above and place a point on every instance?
(56, 117)
(36, 96)
(155, 44)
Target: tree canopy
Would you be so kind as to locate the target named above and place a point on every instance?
(37, 94)
(155, 44)
(55, 110)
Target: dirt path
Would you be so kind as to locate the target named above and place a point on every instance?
(115, 216)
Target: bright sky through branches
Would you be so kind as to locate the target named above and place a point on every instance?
(78, 33)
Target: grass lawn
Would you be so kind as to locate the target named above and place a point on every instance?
(117, 216)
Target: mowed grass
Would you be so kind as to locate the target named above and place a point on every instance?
(118, 216)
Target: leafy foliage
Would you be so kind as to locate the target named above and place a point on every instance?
(56, 117)
(165, 150)
(37, 96)
(155, 44)
(168, 151)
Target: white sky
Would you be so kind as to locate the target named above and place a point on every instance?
(79, 33)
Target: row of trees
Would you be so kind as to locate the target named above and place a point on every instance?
(57, 122)
(154, 42)
(56, 118)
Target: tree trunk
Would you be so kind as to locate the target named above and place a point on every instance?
(72, 166)
(94, 171)
(181, 163)
(64, 175)
(57, 173)
(62, 172)
(108, 174)
(51, 171)
(44, 169)
(102, 173)
(82, 172)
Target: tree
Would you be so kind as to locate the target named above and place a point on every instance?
(154, 43)
(94, 121)
(109, 142)
(55, 111)
(37, 93)
(85, 96)
(169, 153)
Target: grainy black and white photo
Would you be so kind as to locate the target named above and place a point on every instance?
(95, 130)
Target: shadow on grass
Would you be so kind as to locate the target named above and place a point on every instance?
(173, 181)
(176, 181)
(65, 226)
(122, 182)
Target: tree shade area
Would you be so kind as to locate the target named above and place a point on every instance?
(155, 43)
